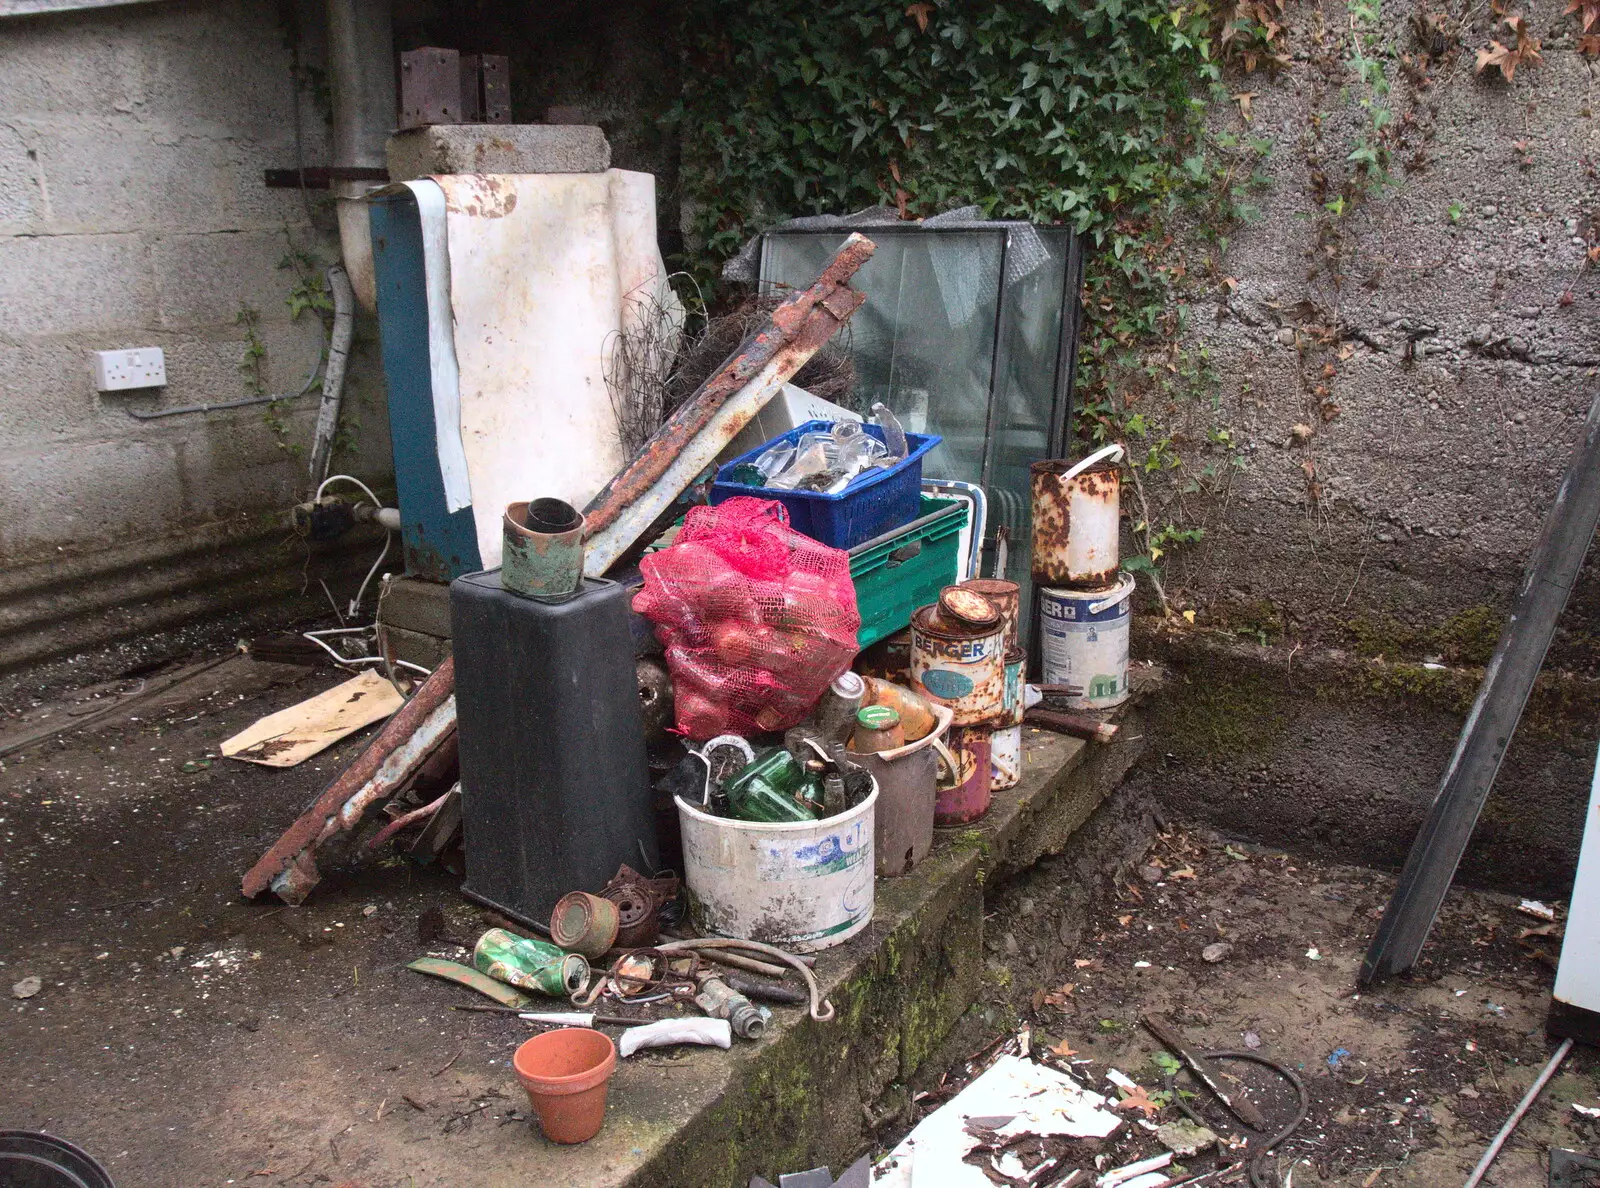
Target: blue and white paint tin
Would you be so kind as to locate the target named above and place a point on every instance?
(1085, 641)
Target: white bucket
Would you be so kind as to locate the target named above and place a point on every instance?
(1086, 641)
(800, 885)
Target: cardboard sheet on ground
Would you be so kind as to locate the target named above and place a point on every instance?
(1038, 1100)
(295, 734)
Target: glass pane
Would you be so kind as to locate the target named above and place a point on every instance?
(1030, 337)
(923, 343)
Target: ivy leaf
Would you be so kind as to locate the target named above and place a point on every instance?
(921, 11)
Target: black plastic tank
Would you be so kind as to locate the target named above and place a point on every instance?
(554, 779)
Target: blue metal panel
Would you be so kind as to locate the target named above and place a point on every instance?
(439, 544)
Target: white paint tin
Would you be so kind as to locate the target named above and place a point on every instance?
(1085, 641)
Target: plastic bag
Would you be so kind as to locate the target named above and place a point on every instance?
(756, 618)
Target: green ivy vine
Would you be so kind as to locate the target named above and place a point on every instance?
(1091, 113)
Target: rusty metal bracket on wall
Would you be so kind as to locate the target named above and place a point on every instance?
(626, 509)
(422, 725)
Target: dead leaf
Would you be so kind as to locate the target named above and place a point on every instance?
(1590, 10)
(1124, 920)
(1589, 45)
(921, 11)
(1064, 1050)
(1059, 996)
(1186, 873)
(1139, 1100)
(1505, 58)
(1243, 99)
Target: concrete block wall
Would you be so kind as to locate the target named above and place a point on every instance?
(133, 213)
(1420, 498)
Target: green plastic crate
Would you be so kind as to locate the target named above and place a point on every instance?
(898, 572)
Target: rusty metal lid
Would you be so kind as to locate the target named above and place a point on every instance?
(961, 607)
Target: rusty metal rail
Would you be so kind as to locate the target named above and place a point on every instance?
(629, 505)
(407, 741)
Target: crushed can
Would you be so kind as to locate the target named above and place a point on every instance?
(530, 964)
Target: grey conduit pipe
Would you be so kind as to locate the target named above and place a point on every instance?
(344, 324)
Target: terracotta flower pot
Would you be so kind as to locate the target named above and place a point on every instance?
(566, 1074)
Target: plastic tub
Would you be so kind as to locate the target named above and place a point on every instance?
(801, 885)
(902, 570)
(874, 503)
(32, 1159)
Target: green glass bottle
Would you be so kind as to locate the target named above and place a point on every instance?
(773, 787)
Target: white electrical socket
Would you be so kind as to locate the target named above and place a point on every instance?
(141, 367)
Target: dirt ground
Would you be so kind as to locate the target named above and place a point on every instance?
(189, 1038)
(1407, 1082)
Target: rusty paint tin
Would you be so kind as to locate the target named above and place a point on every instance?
(964, 609)
(963, 668)
(966, 796)
(1006, 598)
(584, 923)
(1012, 707)
(1076, 519)
(537, 563)
(1005, 757)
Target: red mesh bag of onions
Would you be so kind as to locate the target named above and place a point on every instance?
(755, 617)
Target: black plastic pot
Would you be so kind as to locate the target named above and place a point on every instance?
(29, 1159)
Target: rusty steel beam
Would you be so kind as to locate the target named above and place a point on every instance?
(289, 866)
(678, 451)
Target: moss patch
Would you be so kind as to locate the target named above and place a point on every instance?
(1223, 710)
(1466, 637)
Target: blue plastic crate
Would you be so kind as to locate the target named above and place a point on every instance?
(876, 502)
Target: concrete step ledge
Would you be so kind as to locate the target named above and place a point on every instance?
(800, 1098)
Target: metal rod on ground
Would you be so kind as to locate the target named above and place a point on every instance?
(1569, 526)
(1075, 725)
(1516, 1115)
(748, 964)
(1241, 1106)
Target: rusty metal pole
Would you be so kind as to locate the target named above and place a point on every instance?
(629, 505)
(420, 726)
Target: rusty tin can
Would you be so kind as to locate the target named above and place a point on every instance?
(1005, 757)
(542, 555)
(961, 667)
(1012, 707)
(966, 796)
(1006, 598)
(584, 923)
(1076, 519)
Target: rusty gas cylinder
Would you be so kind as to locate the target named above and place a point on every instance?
(1006, 597)
(961, 667)
(1076, 510)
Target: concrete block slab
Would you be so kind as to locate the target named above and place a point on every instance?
(498, 148)
(205, 278)
(82, 284)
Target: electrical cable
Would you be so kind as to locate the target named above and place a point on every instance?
(1260, 1148)
(346, 478)
(355, 603)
